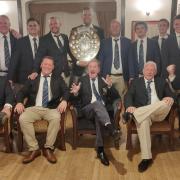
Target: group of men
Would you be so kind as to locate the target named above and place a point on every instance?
(135, 72)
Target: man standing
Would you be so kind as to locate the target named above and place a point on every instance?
(93, 92)
(47, 98)
(143, 50)
(7, 44)
(113, 56)
(148, 99)
(53, 44)
(22, 61)
(78, 68)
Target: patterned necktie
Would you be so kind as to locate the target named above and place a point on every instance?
(141, 57)
(97, 95)
(59, 42)
(162, 42)
(45, 93)
(35, 46)
(149, 91)
(6, 51)
(116, 55)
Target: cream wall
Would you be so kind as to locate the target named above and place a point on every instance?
(132, 12)
(11, 12)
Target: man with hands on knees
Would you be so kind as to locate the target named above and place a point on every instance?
(148, 99)
(93, 91)
(47, 99)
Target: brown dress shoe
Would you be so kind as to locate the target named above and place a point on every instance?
(48, 153)
(31, 156)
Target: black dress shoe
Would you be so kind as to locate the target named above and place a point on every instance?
(104, 160)
(127, 116)
(144, 164)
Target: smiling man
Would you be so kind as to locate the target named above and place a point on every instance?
(93, 92)
(47, 99)
(148, 99)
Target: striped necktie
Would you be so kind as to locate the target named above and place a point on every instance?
(6, 51)
(148, 88)
(141, 57)
(116, 55)
(45, 92)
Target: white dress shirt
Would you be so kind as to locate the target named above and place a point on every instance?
(160, 40)
(154, 97)
(40, 90)
(2, 55)
(113, 69)
(32, 43)
(144, 48)
(60, 38)
(96, 85)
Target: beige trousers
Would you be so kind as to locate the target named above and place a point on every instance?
(144, 117)
(32, 114)
(119, 84)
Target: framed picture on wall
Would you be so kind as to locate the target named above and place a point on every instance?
(152, 29)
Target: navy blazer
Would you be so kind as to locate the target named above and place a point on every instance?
(171, 54)
(152, 54)
(58, 88)
(22, 62)
(106, 56)
(48, 47)
(137, 93)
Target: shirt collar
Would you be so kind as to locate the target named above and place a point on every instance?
(56, 34)
(31, 37)
(114, 38)
(90, 26)
(144, 39)
(7, 35)
(165, 37)
(48, 75)
(148, 80)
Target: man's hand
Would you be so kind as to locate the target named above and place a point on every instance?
(131, 109)
(62, 106)
(168, 100)
(19, 108)
(75, 88)
(33, 76)
(108, 80)
(15, 34)
(7, 110)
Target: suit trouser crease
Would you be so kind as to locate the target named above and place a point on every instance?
(97, 111)
(33, 114)
(144, 116)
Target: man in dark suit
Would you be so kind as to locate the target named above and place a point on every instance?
(171, 49)
(143, 50)
(53, 44)
(93, 92)
(78, 68)
(47, 98)
(163, 27)
(148, 99)
(113, 56)
(22, 62)
(7, 44)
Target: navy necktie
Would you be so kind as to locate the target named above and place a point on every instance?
(35, 46)
(97, 95)
(141, 57)
(148, 88)
(116, 55)
(6, 51)
(45, 93)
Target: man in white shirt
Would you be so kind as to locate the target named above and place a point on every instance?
(148, 99)
(47, 99)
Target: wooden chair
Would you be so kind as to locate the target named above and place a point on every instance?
(5, 132)
(82, 126)
(164, 127)
(40, 127)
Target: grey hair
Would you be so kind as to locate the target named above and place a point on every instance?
(152, 63)
(53, 17)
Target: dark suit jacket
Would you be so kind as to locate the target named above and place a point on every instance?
(6, 93)
(153, 53)
(171, 54)
(106, 56)
(22, 62)
(48, 47)
(137, 94)
(58, 88)
(85, 92)
(77, 70)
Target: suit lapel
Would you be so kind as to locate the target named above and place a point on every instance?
(36, 83)
(157, 86)
(143, 85)
(28, 45)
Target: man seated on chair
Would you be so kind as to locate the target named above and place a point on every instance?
(93, 90)
(148, 99)
(6, 99)
(47, 99)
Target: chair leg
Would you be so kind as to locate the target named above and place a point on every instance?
(62, 140)
(7, 140)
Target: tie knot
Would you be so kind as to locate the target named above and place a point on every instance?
(4, 36)
(116, 40)
(93, 79)
(57, 36)
(141, 41)
(34, 39)
(149, 82)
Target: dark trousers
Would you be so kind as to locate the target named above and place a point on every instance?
(98, 112)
